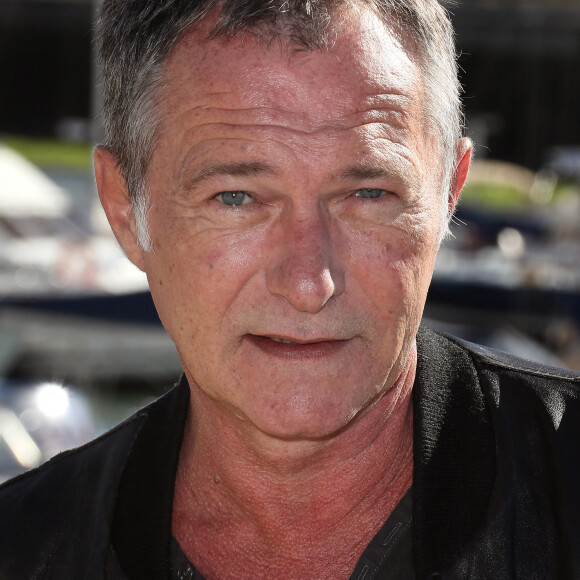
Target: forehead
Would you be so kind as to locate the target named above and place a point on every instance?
(364, 72)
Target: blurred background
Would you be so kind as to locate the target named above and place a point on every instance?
(81, 346)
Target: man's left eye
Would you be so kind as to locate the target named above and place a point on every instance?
(369, 193)
(234, 198)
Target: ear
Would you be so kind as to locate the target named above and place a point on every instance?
(464, 151)
(117, 204)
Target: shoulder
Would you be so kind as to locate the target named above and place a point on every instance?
(59, 513)
(49, 514)
(456, 351)
(507, 362)
(495, 454)
(525, 388)
(65, 468)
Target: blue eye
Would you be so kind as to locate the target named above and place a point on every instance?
(234, 198)
(369, 193)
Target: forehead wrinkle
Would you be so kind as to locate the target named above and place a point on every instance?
(393, 108)
(364, 133)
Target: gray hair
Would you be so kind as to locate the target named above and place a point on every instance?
(137, 36)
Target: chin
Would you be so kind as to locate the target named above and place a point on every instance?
(299, 421)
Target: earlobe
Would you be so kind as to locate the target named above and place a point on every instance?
(464, 151)
(117, 204)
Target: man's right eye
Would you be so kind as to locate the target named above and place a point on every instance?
(234, 198)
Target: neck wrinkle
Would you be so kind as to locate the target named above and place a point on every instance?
(219, 487)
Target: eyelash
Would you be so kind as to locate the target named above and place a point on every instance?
(382, 193)
(234, 193)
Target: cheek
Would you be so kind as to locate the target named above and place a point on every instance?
(195, 278)
(393, 268)
(223, 261)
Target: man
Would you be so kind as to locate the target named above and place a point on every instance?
(284, 174)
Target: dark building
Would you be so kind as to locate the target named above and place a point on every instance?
(45, 67)
(521, 73)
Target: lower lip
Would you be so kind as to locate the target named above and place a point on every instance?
(313, 350)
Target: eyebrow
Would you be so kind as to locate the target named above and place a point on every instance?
(234, 169)
(367, 171)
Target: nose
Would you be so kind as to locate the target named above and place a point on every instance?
(305, 267)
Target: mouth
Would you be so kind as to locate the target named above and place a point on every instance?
(282, 340)
(295, 349)
(296, 343)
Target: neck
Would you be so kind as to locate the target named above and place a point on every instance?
(286, 494)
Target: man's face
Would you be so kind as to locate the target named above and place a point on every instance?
(295, 213)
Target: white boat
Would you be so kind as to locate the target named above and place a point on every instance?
(43, 250)
(71, 304)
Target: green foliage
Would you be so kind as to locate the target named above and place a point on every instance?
(52, 153)
(494, 195)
